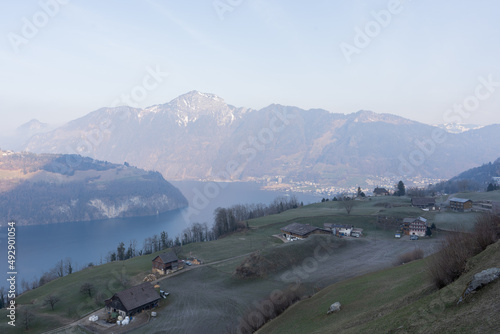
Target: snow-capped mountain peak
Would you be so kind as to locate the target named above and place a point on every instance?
(458, 127)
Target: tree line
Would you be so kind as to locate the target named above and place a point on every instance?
(226, 220)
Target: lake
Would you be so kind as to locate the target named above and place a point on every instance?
(39, 247)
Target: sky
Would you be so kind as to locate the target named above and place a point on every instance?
(430, 61)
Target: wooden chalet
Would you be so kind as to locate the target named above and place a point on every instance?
(423, 202)
(301, 231)
(405, 226)
(418, 227)
(133, 300)
(460, 204)
(414, 226)
(164, 262)
(380, 192)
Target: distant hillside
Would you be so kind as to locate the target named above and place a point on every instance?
(483, 174)
(18, 138)
(199, 136)
(48, 188)
(476, 178)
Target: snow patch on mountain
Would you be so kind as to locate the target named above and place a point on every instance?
(458, 127)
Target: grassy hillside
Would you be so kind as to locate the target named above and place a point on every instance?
(399, 300)
(365, 297)
(107, 279)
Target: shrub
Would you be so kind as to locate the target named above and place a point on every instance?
(450, 262)
(413, 255)
(269, 309)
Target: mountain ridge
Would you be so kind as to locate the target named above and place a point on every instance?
(196, 135)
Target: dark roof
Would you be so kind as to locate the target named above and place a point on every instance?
(419, 220)
(299, 229)
(459, 200)
(168, 257)
(138, 296)
(423, 201)
(380, 191)
(329, 225)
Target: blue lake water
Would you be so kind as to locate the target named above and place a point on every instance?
(39, 247)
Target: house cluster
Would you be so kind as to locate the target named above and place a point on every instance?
(455, 204)
(142, 297)
(297, 231)
(413, 227)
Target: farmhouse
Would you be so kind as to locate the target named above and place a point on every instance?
(460, 204)
(418, 227)
(380, 192)
(423, 202)
(164, 262)
(133, 300)
(414, 226)
(300, 231)
(339, 229)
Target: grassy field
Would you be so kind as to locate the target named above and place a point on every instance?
(479, 196)
(398, 300)
(110, 278)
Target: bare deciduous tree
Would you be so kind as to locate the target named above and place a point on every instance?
(58, 269)
(347, 202)
(87, 289)
(51, 300)
(177, 250)
(68, 267)
(27, 317)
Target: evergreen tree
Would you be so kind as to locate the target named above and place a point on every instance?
(120, 251)
(491, 187)
(401, 191)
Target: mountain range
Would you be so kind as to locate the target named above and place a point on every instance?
(198, 136)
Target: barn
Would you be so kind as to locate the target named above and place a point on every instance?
(423, 202)
(164, 262)
(296, 231)
(133, 300)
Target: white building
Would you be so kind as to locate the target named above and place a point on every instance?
(339, 229)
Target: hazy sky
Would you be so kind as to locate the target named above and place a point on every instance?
(419, 59)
